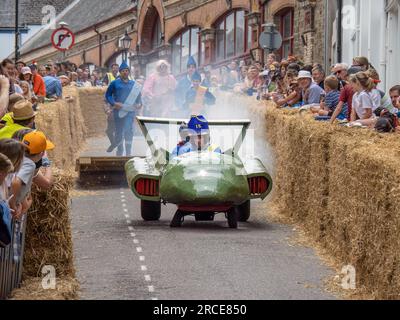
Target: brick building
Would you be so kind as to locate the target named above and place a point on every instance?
(98, 27)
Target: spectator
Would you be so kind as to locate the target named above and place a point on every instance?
(53, 87)
(251, 82)
(14, 151)
(318, 75)
(4, 94)
(328, 105)
(294, 67)
(42, 71)
(36, 145)
(387, 122)
(363, 105)
(158, 90)
(85, 80)
(95, 79)
(19, 65)
(43, 177)
(340, 70)
(380, 98)
(26, 90)
(26, 75)
(311, 92)
(8, 69)
(6, 167)
(7, 119)
(39, 87)
(346, 95)
(271, 59)
(394, 93)
(23, 118)
(362, 62)
(243, 73)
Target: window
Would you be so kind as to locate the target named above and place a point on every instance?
(184, 45)
(286, 29)
(233, 36)
(156, 40)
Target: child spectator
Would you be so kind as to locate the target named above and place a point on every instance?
(39, 87)
(14, 151)
(363, 105)
(36, 144)
(6, 167)
(328, 105)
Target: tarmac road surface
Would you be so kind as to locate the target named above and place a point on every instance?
(119, 256)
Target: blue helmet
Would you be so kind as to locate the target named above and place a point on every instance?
(199, 125)
(196, 76)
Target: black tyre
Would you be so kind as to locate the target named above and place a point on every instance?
(233, 217)
(150, 210)
(177, 220)
(244, 211)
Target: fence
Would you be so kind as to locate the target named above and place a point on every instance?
(11, 260)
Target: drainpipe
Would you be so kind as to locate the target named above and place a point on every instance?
(340, 31)
(100, 46)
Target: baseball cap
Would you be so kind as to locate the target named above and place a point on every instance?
(36, 142)
(26, 70)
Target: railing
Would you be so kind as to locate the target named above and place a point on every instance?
(11, 260)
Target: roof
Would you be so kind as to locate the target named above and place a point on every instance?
(30, 11)
(80, 15)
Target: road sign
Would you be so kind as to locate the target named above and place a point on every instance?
(270, 38)
(63, 39)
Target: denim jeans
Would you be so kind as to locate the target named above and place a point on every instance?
(124, 133)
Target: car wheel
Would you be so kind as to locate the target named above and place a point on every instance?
(177, 219)
(150, 210)
(244, 211)
(233, 216)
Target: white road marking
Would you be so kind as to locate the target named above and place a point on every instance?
(139, 249)
(122, 196)
(154, 299)
(130, 228)
(135, 241)
(151, 288)
(142, 258)
(143, 268)
(125, 210)
(124, 205)
(127, 216)
(147, 278)
(123, 200)
(133, 234)
(128, 221)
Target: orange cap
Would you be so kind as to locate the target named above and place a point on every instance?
(37, 142)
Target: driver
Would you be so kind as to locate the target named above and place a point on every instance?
(199, 135)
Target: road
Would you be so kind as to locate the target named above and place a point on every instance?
(119, 256)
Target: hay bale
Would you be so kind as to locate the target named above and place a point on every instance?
(341, 185)
(31, 289)
(48, 235)
(63, 123)
(92, 108)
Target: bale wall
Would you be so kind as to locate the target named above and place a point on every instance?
(342, 186)
(92, 108)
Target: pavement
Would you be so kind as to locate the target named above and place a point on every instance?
(119, 256)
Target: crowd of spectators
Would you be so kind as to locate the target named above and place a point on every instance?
(23, 147)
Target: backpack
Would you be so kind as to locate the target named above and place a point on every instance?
(5, 225)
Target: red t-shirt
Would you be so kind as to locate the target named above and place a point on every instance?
(346, 96)
(39, 88)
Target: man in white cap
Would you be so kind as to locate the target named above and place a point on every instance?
(311, 92)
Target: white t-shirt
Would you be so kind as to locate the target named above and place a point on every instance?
(362, 101)
(381, 99)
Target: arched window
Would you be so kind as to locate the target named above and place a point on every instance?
(156, 40)
(233, 36)
(184, 45)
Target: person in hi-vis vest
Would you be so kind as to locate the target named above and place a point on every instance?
(197, 97)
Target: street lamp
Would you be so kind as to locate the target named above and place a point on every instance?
(126, 44)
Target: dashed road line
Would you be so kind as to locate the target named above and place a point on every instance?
(142, 258)
(139, 249)
(147, 278)
(143, 268)
(130, 228)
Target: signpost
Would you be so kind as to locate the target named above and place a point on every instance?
(63, 39)
(270, 38)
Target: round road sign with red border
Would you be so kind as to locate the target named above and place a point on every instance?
(63, 39)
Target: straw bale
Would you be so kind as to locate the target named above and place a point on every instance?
(342, 186)
(48, 236)
(92, 108)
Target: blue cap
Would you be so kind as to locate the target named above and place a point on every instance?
(191, 62)
(196, 76)
(198, 124)
(123, 66)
